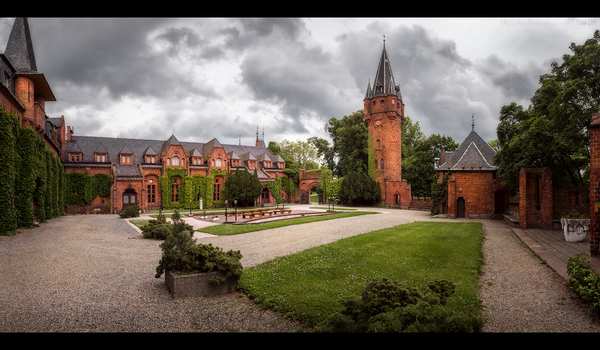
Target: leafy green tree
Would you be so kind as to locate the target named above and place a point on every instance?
(243, 187)
(302, 153)
(554, 130)
(291, 169)
(350, 137)
(324, 151)
(418, 156)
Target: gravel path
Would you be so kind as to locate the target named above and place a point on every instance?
(95, 273)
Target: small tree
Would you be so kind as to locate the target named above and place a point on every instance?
(243, 187)
(359, 189)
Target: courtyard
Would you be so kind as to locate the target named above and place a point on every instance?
(95, 273)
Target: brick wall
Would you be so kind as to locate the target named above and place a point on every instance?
(536, 198)
(594, 184)
(478, 191)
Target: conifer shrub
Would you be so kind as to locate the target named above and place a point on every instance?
(161, 229)
(387, 306)
(181, 255)
(132, 211)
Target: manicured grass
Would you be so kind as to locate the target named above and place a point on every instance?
(308, 285)
(230, 229)
(139, 222)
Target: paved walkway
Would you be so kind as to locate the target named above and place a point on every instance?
(551, 246)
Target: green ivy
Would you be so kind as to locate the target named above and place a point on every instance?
(30, 176)
(9, 127)
(82, 188)
(275, 188)
(439, 193)
(189, 189)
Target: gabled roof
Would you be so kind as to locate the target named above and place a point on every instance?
(473, 154)
(150, 151)
(196, 153)
(139, 147)
(125, 150)
(100, 149)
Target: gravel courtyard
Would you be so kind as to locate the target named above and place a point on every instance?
(95, 273)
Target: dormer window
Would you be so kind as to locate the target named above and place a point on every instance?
(100, 157)
(150, 159)
(126, 159)
(196, 161)
(75, 157)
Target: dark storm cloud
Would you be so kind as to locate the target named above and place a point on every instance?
(442, 90)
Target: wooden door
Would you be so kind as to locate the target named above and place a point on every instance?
(460, 208)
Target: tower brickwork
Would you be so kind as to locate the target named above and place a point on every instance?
(384, 113)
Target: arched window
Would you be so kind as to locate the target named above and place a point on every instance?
(175, 161)
(378, 143)
(218, 162)
(382, 165)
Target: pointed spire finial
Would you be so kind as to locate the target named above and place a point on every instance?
(473, 122)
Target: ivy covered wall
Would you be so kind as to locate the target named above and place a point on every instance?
(32, 179)
(191, 188)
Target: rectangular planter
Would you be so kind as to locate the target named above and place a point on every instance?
(197, 285)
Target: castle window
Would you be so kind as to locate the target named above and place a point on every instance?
(150, 159)
(175, 191)
(168, 161)
(382, 166)
(218, 162)
(175, 161)
(75, 157)
(126, 159)
(151, 191)
(381, 102)
(378, 143)
(100, 157)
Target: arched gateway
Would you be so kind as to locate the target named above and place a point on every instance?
(307, 180)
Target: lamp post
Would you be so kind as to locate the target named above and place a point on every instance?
(235, 202)
(226, 210)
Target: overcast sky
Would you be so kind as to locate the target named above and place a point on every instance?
(205, 78)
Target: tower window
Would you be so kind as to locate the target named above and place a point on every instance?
(378, 143)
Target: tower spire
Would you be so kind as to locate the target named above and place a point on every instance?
(19, 48)
(473, 122)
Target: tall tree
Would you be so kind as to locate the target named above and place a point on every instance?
(554, 130)
(418, 156)
(350, 143)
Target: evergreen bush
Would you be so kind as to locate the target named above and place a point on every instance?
(132, 211)
(387, 306)
(161, 229)
(182, 255)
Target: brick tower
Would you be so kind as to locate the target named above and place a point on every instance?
(384, 114)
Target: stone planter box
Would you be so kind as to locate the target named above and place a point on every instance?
(575, 230)
(197, 285)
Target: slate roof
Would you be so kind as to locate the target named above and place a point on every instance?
(473, 154)
(384, 79)
(88, 145)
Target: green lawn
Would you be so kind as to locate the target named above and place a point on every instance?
(230, 229)
(308, 285)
